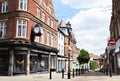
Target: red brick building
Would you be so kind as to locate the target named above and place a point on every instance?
(20, 52)
(115, 34)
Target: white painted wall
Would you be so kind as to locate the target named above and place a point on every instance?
(60, 43)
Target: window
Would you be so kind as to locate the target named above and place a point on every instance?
(48, 21)
(41, 2)
(4, 6)
(23, 5)
(48, 38)
(43, 17)
(52, 40)
(4, 62)
(42, 36)
(38, 13)
(37, 39)
(43, 62)
(119, 28)
(21, 28)
(33, 63)
(2, 29)
(19, 63)
(118, 62)
(50, 10)
(52, 64)
(52, 24)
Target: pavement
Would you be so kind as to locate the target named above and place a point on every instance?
(89, 76)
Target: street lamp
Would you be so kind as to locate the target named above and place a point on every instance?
(69, 30)
(111, 48)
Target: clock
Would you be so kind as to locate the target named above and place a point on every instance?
(36, 30)
(42, 63)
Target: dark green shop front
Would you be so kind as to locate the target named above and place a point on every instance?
(19, 58)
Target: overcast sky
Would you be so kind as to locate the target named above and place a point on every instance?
(90, 20)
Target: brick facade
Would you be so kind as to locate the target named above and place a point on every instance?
(15, 17)
(115, 34)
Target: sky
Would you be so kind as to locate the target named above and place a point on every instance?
(90, 21)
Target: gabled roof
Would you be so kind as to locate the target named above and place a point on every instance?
(62, 24)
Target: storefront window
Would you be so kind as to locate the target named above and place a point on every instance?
(33, 63)
(118, 62)
(4, 63)
(53, 63)
(19, 63)
(43, 62)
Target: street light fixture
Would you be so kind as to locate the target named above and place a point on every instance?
(69, 30)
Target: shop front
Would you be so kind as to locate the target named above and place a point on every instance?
(117, 57)
(61, 64)
(25, 58)
(43, 64)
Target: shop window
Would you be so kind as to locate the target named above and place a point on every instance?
(43, 63)
(118, 62)
(33, 63)
(19, 63)
(4, 63)
(53, 66)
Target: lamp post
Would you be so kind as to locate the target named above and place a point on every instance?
(111, 48)
(69, 29)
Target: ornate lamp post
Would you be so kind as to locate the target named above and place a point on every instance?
(69, 29)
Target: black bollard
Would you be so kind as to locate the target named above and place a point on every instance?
(50, 73)
(73, 73)
(79, 72)
(76, 72)
(62, 73)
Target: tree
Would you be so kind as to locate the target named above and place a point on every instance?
(83, 56)
(93, 65)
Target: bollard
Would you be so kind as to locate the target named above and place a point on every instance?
(73, 73)
(76, 72)
(79, 72)
(50, 74)
(62, 73)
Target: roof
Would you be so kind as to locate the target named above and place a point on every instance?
(62, 24)
(93, 55)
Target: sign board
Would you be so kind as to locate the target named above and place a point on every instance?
(111, 42)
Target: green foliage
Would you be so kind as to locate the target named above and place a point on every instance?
(83, 56)
(93, 65)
